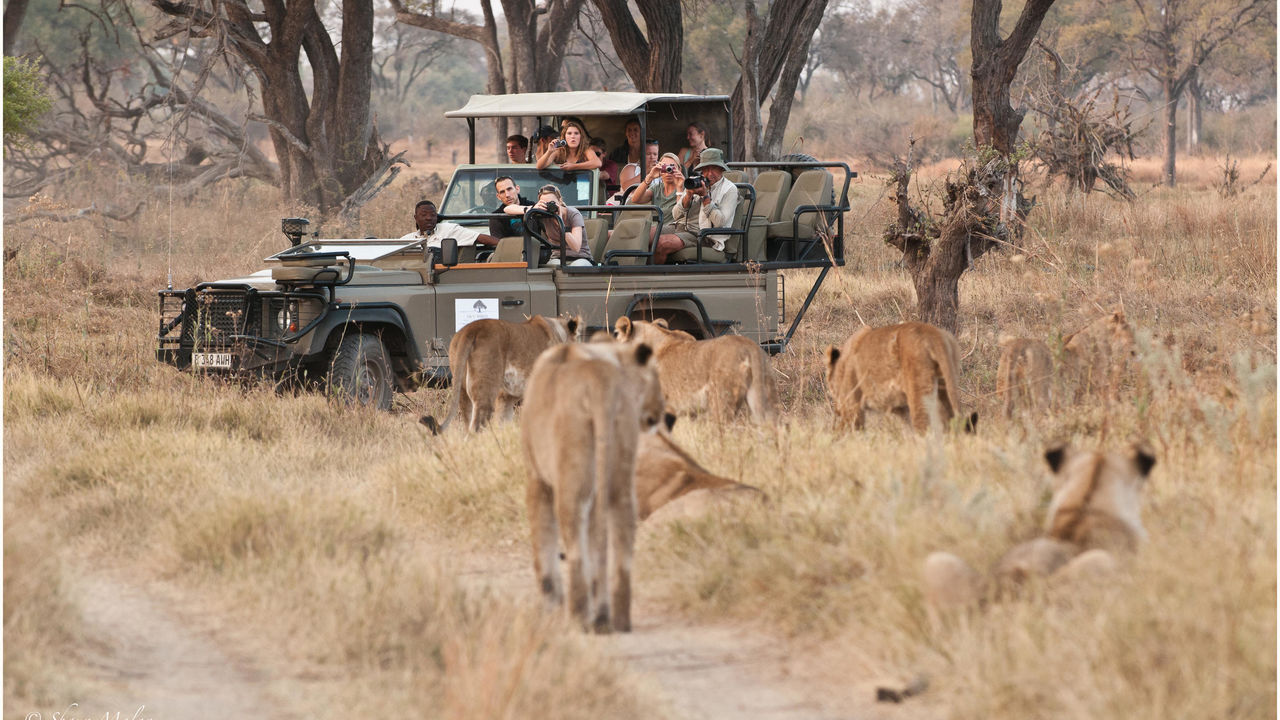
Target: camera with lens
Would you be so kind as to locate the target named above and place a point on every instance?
(668, 168)
(694, 181)
(559, 143)
(553, 208)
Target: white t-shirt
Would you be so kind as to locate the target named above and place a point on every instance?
(464, 235)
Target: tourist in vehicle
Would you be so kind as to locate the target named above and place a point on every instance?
(542, 139)
(508, 197)
(631, 151)
(690, 156)
(577, 247)
(651, 153)
(712, 204)
(608, 168)
(569, 151)
(660, 187)
(517, 149)
(433, 231)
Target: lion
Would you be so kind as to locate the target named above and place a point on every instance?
(1094, 515)
(586, 406)
(490, 360)
(1099, 353)
(894, 369)
(1025, 373)
(723, 375)
(665, 472)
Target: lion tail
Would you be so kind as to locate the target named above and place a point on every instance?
(762, 390)
(948, 368)
(455, 394)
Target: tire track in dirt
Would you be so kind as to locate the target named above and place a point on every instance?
(705, 672)
(146, 661)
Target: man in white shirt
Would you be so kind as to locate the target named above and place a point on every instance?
(712, 205)
(430, 228)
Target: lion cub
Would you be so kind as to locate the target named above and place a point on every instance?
(1025, 373)
(892, 369)
(723, 374)
(1094, 513)
(585, 408)
(490, 360)
(1099, 353)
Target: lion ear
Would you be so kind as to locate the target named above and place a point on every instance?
(833, 354)
(1055, 457)
(572, 326)
(669, 419)
(643, 353)
(1143, 459)
(622, 328)
(662, 323)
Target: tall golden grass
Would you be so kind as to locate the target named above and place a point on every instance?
(336, 536)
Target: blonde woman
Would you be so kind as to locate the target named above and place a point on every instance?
(569, 151)
(661, 186)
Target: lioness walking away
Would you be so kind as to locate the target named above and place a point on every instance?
(1097, 356)
(1025, 373)
(894, 369)
(585, 408)
(1094, 513)
(724, 375)
(490, 360)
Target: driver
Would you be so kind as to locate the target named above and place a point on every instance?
(433, 231)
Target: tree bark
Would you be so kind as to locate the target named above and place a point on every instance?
(1195, 116)
(14, 12)
(1170, 134)
(654, 64)
(790, 22)
(324, 142)
(750, 124)
(995, 63)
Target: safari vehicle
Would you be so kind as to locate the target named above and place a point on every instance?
(366, 316)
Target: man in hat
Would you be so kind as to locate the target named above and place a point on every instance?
(711, 205)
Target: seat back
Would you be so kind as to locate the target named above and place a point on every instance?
(629, 234)
(813, 187)
(509, 249)
(772, 188)
(735, 176)
(597, 234)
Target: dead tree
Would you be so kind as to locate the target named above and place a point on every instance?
(936, 251)
(995, 63)
(1083, 133)
(96, 120)
(325, 140)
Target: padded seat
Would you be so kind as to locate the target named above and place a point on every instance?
(629, 243)
(597, 234)
(741, 221)
(509, 249)
(772, 188)
(813, 187)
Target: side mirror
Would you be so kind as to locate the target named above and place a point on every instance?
(449, 252)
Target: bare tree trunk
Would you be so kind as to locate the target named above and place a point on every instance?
(14, 12)
(995, 63)
(1170, 134)
(1195, 116)
(785, 93)
(750, 126)
(653, 64)
(790, 22)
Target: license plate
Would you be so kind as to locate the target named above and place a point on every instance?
(211, 360)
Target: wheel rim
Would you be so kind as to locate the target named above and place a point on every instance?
(368, 383)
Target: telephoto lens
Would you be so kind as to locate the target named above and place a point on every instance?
(693, 182)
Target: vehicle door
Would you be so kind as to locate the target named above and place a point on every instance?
(466, 293)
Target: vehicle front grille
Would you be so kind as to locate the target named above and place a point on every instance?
(219, 315)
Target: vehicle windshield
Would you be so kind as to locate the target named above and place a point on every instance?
(472, 193)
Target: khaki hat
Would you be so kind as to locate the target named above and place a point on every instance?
(712, 157)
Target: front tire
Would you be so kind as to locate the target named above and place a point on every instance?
(359, 372)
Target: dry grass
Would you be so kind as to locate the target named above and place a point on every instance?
(333, 534)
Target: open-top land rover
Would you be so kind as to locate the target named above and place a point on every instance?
(366, 316)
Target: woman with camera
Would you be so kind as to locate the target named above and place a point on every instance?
(569, 151)
(569, 231)
(661, 186)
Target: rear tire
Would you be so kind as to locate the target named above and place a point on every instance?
(359, 372)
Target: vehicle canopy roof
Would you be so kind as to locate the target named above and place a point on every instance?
(663, 116)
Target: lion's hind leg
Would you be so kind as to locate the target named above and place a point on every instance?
(544, 533)
(621, 518)
(573, 511)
